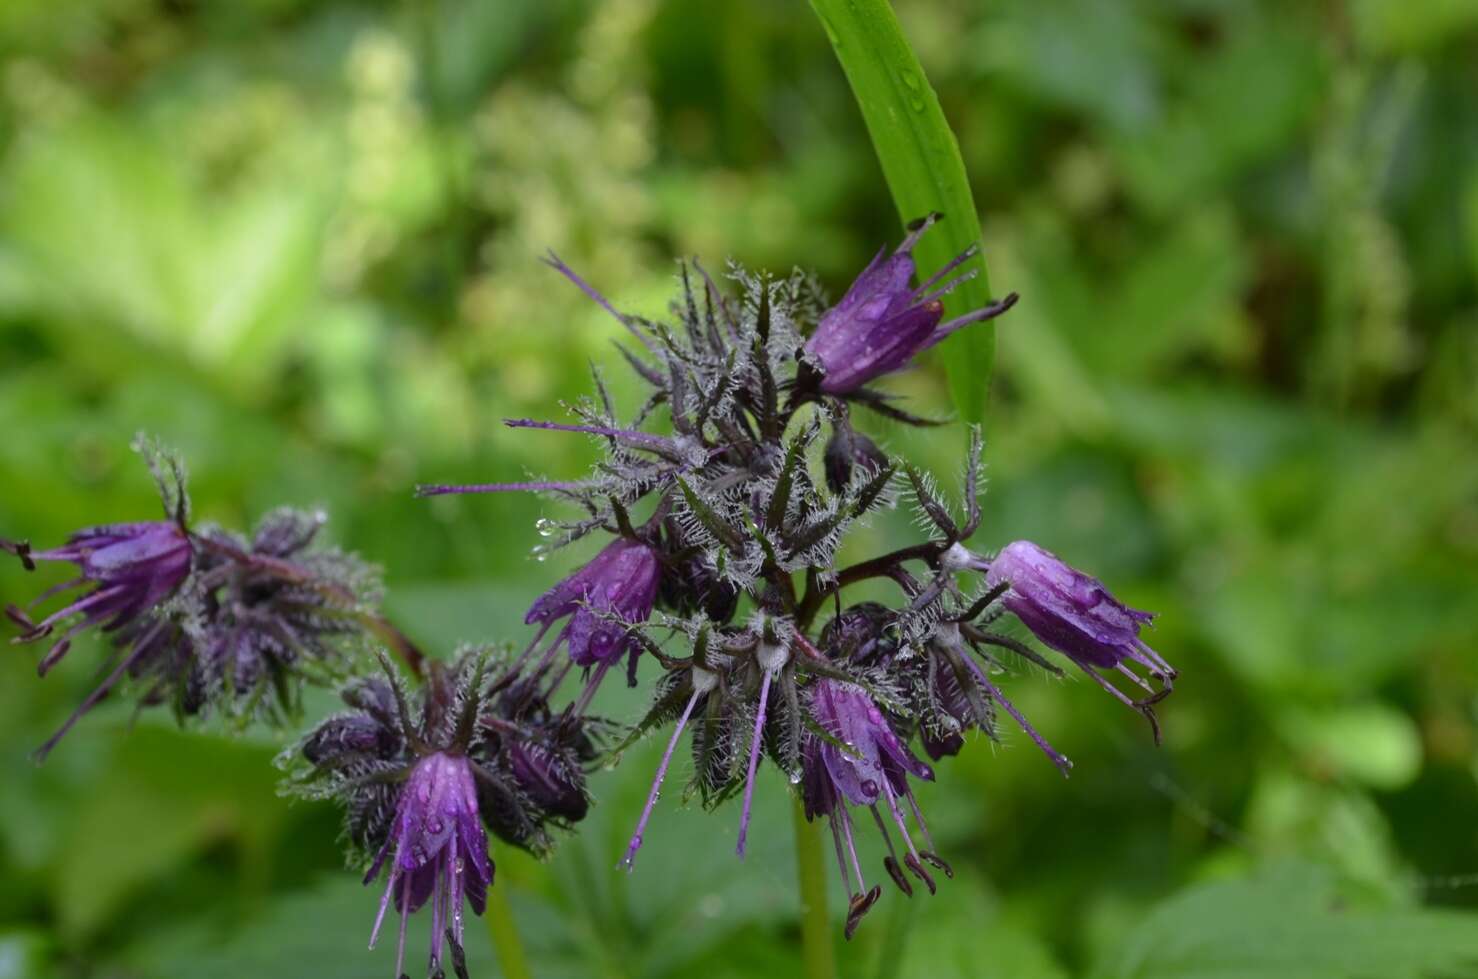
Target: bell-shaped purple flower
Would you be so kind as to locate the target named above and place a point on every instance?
(133, 566)
(884, 320)
(1074, 613)
(437, 851)
(616, 589)
(863, 762)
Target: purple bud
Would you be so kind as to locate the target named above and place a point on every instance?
(616, 589)
(849, 451)
(884, 321)
(1072, 612)
(551, 782)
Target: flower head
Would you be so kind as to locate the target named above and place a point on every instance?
(413, 793)
(884, 321)
(862, 762)
(272, 610)
(616, 589)
(1074, 613)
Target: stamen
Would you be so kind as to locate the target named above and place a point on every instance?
(21, 549)
(646, 813)
(938, 861)
(890, 862)
(459, 958)
(588, 693)
(947, 268)
(975, 316)
(859, 906)
(754, 760)
(920, 872)
(836, 842)
(405, 916)
(852, 845)
(918, 817)
(140, 646)
(1058, 759)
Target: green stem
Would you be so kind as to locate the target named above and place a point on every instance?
(817, 949)
(922, 164)
(504, 933)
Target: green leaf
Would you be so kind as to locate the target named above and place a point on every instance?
(925, 172)
(1291, 924)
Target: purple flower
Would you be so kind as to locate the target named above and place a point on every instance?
(134, 566)
(438, 852)
(884, 321)
(862, 762)
(415, 791)
(616, 589)
(1074, 613)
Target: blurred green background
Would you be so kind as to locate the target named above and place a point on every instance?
(299, 241)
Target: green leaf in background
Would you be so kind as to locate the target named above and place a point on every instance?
(925, 172)
(1291, 923)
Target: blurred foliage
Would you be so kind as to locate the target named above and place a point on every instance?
(299, 240)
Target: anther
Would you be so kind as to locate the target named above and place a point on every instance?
(919, 871)
(938, 861)
(896, 873)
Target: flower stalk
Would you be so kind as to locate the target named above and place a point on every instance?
(817, 951)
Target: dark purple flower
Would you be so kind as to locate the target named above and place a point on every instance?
(438, 852)
(134, 566)
(1074, 614)
(274, 609)
(615, 590)
(884, 321)
(862, 762)
(549, 779)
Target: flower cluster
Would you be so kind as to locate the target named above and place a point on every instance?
(724, 526)
(203, 617)
(721, 506)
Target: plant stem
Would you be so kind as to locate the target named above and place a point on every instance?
(504, 933)
(817, 950)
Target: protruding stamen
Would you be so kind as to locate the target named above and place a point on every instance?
(919, 871)
(21, 549)
(459, 958)
(918, 816)
(646, 813)
(939, 862)
(859, 906)
(984, 313)
(890, 863)
(754, 760)
(836, 842)
(1058, 759)
(142, 643)
(852, 846)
